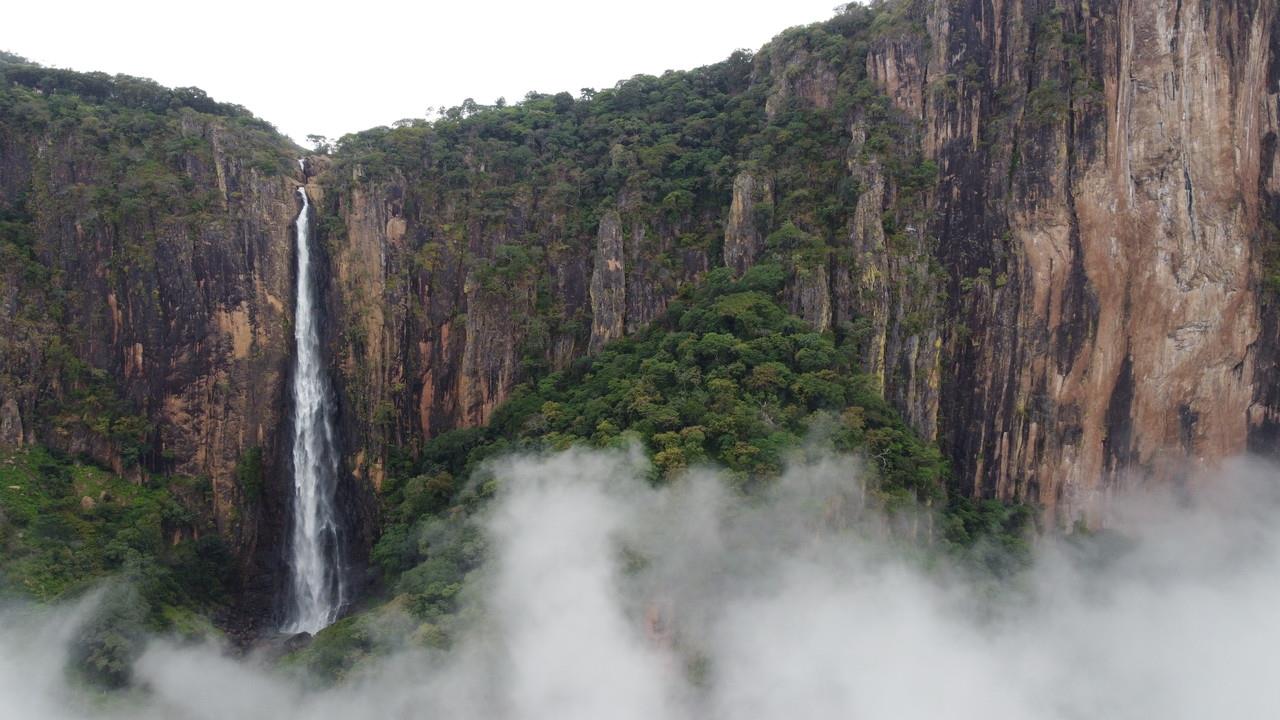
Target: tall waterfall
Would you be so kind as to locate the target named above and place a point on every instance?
(317, 589)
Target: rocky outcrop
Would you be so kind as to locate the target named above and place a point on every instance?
(796, 70)
(496, 326)
(11, 432)
(888, 295)
(428, 335)
(743, 235)
(608, 283)
(447, 306)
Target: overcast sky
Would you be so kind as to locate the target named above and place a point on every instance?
(336, 67)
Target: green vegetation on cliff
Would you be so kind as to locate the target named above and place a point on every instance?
(67, 524)
(122, 91)
(664, 148)
(677, 139)
(499, 211)
(125, 179)
(726, 379)
(67, 527)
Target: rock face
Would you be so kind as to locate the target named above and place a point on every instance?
(1104, 204)
(148, 324)
(894, 293)
(446, 303)
(1113, 165)
(1073, 297)
(743, 235)
(12, 434)
(608, 283)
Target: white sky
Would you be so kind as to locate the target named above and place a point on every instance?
(336, 67)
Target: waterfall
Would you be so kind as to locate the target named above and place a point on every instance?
(317, 592)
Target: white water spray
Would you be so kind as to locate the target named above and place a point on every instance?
(317, 589)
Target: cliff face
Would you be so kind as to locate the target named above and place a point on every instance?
(1053, 256)
(1104, 211)
(1113, 163)
(147, 297)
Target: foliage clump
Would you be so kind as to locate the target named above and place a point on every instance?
(67, 527)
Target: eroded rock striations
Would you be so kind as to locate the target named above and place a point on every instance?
(1112, 164)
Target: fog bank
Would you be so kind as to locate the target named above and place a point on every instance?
(607, 598)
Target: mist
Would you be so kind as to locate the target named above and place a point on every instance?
(605, 597)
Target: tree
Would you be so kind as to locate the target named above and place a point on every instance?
(320, 143)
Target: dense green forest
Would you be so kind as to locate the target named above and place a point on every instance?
(68, 527)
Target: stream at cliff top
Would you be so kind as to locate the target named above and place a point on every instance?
(316, 589)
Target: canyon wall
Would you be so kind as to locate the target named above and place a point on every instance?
(1077, 296)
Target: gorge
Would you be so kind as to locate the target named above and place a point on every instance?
(1009, 260)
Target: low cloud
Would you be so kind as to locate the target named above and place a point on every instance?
(607, 598)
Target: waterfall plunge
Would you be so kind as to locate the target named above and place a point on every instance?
(316, 585)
